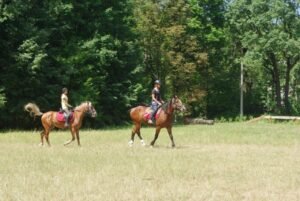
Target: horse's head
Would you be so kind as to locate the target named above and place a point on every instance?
(177, 104)
(90, 109)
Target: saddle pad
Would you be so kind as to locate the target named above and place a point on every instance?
(148, 114)
(61, 118)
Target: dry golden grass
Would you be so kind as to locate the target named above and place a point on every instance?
(234, 161)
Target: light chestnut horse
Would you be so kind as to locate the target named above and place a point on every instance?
(164, 120)
(49, 120)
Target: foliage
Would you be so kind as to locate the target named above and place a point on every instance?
(171, 52)
(86, 46)
(110, 52)
(219, 77)
(269, 32)
(2, 98)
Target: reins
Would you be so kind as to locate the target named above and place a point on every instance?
(166, 107)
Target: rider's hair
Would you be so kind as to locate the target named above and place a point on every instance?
(64, 90)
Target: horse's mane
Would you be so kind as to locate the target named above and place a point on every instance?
(81, 105)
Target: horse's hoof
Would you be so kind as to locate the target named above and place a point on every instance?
(143, 143)
(41, 145)
(130, 143)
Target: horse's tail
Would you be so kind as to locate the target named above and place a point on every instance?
(33, 109)
(130, 110)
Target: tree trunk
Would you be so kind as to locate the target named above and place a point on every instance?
(287, 87)
(277, 90)
(276, 80)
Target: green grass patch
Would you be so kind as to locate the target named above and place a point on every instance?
(229, 161)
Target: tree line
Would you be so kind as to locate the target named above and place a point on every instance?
(111, 51)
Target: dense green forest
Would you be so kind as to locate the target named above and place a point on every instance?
(111, 51)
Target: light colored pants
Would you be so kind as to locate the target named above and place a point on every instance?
(154, 108)
(67, 115)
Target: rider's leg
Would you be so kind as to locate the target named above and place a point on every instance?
(154, 107)
(67, 115)
(154, 113)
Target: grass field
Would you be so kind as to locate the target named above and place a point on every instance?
(230, 161)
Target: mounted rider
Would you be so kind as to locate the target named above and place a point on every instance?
(156, 100)
(65, 105)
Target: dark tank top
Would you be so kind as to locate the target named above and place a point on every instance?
(156, 94)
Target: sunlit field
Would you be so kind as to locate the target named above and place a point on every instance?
(230, 161)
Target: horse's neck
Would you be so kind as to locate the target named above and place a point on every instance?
(169, 110)
(80, 113)
(80, 110)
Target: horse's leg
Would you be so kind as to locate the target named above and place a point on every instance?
(77, 136)
(44, 132)
(130, 143)
(47, 136)
(73, 137)
(42, 138)
(156, 136)
(171, 136)
(139, 135)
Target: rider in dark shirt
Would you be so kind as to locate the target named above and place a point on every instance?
(156, 100)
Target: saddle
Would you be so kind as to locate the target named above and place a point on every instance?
(148, 112)
(60, 116)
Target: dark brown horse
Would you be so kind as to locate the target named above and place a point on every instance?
(49, 120)
(164, 120)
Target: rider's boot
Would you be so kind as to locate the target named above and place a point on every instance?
(150, 121)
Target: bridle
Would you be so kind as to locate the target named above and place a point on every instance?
(176, 105)
(88, 109)
(172, 105)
